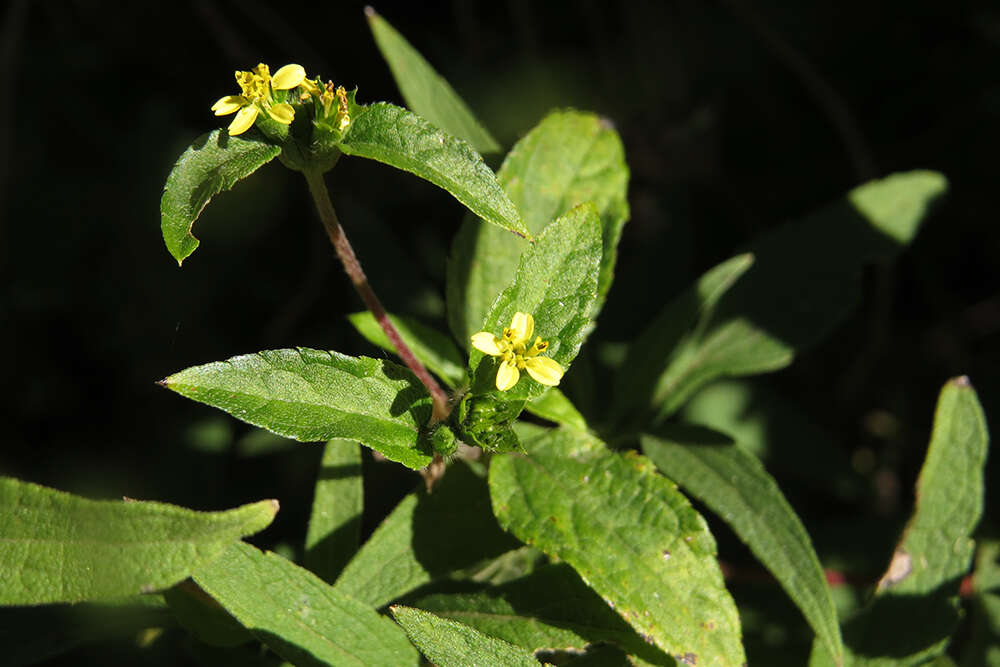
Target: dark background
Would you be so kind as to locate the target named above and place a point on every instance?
(736, 116)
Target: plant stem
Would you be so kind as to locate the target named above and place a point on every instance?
(357, 275)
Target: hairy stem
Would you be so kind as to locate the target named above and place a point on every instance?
(357, 275)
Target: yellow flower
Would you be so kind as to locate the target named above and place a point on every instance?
(258, 87)
(515, 356)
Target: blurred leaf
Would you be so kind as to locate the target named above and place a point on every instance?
(435, 350)
(203, 617)
(213, 163)
(663, 340)
(556, 283)
(630, 535)
(425, 91)
(311, 395)
(451, 644)
(302, 619)
(550, 609)
(570, 158)
(425, 538)
(983, 647)
(399, 138)
(554, 406)
(30, 635)
(735, 486)
(805, 281)
(334, 531)
(916, 605)
(57, 547)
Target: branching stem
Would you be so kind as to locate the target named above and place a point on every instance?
(357, 275)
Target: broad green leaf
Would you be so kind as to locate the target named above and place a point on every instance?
(213, 163)
(916, 607)
(571, 157)
(311, 395)
(301, 618)
(31, 635)
(434, 349)
(425, 538)
(734, 485)
(551, 609)
(64, 548)
(448, 643)
(399, 138)
(806, 279)
(425, 91)
(651, 353)
(630, 535)
(334, 532)
(554, 406)
(556, 283)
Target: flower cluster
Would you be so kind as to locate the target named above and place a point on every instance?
(515, 355)
(258, 88)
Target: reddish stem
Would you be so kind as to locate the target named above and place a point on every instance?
(360, 281)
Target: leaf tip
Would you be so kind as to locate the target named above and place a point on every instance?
(275, 505)
(962, 381)
(163, 383)
(370, 12)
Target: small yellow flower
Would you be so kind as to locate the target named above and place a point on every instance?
(515, 356)
(258, 88)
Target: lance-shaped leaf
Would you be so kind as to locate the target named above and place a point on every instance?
(434, 349)
(425, 91)
(309, 395)
(630, 535)
(556, 283)
(571, 157)
(449, 643)
(334, 532)
(550, 609)
(426, 537)
(301, 618)
(213, 163)
(734, 484)
(806, 279)
(399, 138)
(664, 339)
(57, 547)
(916, 606)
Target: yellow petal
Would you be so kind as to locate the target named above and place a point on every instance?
(544, 370)
(244, 119)
(507, 376)
(523, 325)
(229, 104)
(487, 343)
(288, 77)
(282, 113)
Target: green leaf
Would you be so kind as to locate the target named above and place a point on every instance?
(202, 616)
(916, 606)
(435, 350)
(425, 538)
(425, 91)
(451, 644)
(311, 395)
(629, 533)
(734, 485)
(550, 609)
(213, 163)
(68, 549)
(399, 138)
(651, 353)
(302, 619)
(806, 279)
(334, 532)
(556, 282)
(554, 406)
(570, 158)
